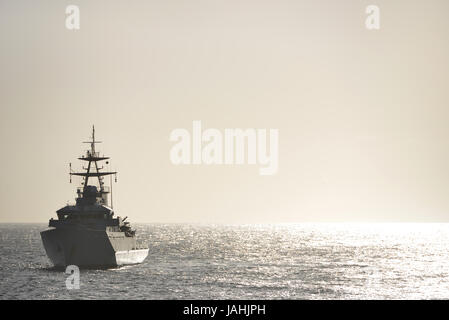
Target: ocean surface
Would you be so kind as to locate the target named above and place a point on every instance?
(283, 261)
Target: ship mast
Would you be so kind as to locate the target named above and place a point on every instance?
(93, 170)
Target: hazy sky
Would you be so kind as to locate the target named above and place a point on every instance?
(362, 115)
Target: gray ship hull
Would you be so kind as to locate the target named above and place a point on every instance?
(86, 247)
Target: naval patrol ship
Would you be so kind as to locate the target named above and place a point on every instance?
(86, 234)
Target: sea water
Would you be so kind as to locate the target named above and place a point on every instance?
(279, 261)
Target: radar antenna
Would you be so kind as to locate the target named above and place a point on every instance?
(92, 158)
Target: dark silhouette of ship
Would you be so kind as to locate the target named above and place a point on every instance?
(86, 234)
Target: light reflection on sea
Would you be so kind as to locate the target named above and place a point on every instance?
(282, 261)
